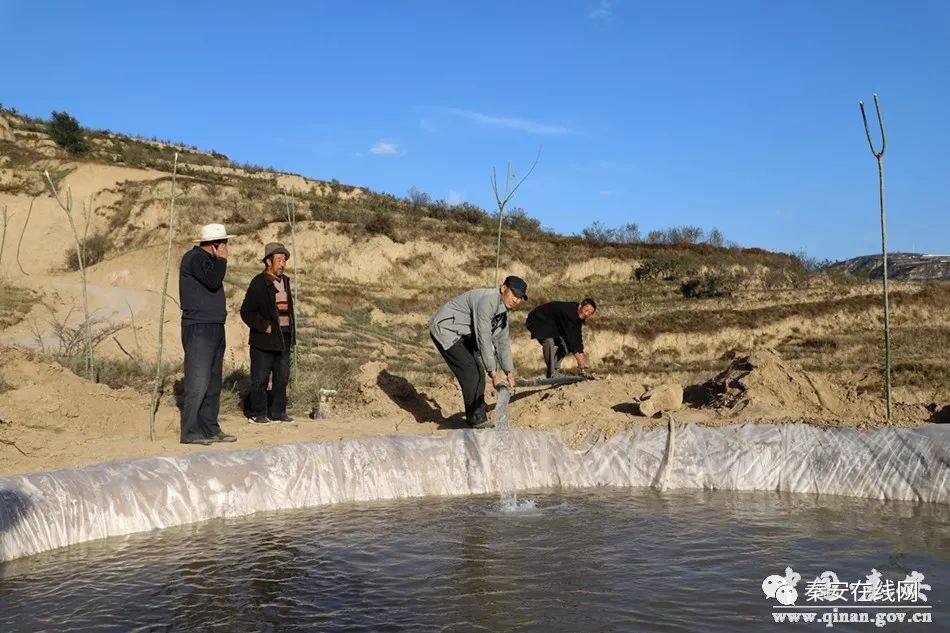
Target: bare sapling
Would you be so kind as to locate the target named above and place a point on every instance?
(159, 376)
(3, 230)
(67, 208)
(295, 287)
(19, 243)
(502, 200)
(879, 155)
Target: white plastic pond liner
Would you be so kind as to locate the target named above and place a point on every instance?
(42, 511)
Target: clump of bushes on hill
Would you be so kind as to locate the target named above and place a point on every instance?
(706, 287)
(67, 133)
(382, 224)
(94, 250)
(600, 233)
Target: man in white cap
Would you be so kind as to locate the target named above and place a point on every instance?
(203, 312)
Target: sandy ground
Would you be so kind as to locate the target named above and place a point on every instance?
(54, 419)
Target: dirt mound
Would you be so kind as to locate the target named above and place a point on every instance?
(383, 392)
(582, 412)
(763, 383)
(46, 395)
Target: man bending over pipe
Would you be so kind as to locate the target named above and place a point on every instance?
(471, 334)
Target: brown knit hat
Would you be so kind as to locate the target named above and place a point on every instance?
(273, 248)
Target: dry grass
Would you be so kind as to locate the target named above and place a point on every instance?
(15, 303)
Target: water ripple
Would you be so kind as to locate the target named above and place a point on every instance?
(605, 560)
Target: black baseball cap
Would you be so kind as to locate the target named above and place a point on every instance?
(517, 285)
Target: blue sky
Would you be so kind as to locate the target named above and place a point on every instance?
(739, 115)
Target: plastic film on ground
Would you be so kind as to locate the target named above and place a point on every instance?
(42, 511)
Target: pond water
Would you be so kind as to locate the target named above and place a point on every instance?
(597, 560)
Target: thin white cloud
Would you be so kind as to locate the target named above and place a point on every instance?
(428, 124)
(606, 166)
(382, 148)
(455, 198)
(603, 10)
(514, 123)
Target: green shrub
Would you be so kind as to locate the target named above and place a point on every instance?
(469, 213)
(706, 288)
(95, 249)
(67, 133)
(381, 224)
(519, 220)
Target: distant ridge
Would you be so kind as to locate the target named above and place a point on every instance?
(902, 266)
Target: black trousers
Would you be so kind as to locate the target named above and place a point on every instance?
(464, 361)
(267, 365)
(204, 356)
(555, 350)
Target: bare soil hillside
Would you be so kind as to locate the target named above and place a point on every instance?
(748, 334)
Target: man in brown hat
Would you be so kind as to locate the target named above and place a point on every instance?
(268, 309)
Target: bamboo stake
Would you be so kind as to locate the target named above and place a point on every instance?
(880, 175)
(159, 378)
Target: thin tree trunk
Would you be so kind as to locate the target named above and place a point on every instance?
(502, 201)
(22, 233)
(295, 290)
(87, 214)
(3, 235)
(159, 377)
(80, 256)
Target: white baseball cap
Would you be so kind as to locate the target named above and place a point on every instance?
(213, 233)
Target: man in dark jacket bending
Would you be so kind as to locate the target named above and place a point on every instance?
(557, 327)
(268, 309)
(203, 312)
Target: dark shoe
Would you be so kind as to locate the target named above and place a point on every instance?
(484, 424)
(259, 420)
(198, 440)
(283, 418)
(222, 437)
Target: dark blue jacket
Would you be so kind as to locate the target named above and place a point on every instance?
(201, 288)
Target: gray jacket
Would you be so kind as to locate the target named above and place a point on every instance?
(474, 313)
